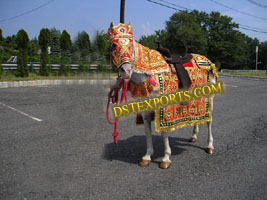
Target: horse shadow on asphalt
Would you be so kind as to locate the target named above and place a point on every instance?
(133, 148)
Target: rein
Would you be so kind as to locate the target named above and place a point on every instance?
(113, 97)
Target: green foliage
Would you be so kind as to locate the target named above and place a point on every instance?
(82, 46)
(218, 65)
(183, 29)
(64, 68)
(262, 55)
(212, 35)
(33, 50)
(150, 41)
(83, 67)
(1, 40)
(55, 45)
(225, 44)
(1, 69)
(22, 40)
(102, 68)
(9, 47)
(1, 37)
(55, 59)
(250, 51)
(65, 41)
(83, 41)
(44, 41)
(102, 43)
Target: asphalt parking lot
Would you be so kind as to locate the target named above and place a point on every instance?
(55, 143)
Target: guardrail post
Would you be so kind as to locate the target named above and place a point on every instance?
(31, 67)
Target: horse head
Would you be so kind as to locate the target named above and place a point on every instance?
(122, 48)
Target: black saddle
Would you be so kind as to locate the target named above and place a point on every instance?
(178, 58)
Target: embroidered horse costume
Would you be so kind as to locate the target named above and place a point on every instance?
(151, 63)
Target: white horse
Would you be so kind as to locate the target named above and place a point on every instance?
(124, 57)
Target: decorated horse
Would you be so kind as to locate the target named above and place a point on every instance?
(149, 74)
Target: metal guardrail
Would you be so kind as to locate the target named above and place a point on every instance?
(36, 66)
(231, 70)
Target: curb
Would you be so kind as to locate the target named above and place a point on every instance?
(53, 82)
(244, 77)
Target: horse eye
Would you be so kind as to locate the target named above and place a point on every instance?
(113, 46)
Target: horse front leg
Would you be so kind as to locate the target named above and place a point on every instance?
(210, 148)
(166, 162)
(195, 134)
(146, 159)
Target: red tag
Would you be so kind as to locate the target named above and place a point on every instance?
(152, 81)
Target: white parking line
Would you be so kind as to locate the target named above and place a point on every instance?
(231, 86)
(23, 113)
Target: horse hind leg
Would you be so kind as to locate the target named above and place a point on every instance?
(194, 137)
(210, 148)
(166, 162)
(146, 159)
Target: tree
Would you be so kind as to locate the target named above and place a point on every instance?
(150, 41)
(262, 55)
(1, 41)
(83, 41)
(55, 44)
(82, 44)
(22, 43)
(44, 41)
(33, 49)
(211, 34)
(250, 51)
(65, 43)
(183, 30)
(102, 44)
(225, 44)
(9, 47)
(1, 37)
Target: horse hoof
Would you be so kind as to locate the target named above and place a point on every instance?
(193, 140)
(210, 150)
(144, 163)
(165, 165)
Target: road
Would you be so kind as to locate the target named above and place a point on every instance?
(69, 153)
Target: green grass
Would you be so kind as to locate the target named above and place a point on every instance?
(83, 76)
(261, 74)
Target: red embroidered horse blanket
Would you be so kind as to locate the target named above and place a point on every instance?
(198, 111)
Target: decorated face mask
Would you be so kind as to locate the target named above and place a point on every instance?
(121, 38)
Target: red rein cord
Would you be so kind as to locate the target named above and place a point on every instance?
(113, 96)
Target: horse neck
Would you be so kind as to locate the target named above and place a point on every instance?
(138, 52)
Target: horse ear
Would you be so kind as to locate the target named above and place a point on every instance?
(111, 24)
(129, 24)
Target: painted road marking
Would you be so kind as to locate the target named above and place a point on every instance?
(23, 113)
(230, 86)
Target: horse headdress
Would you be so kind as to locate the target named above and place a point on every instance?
(126, 50)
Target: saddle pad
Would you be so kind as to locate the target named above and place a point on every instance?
(177, 116)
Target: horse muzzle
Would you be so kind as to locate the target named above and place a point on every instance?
(125, 71)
